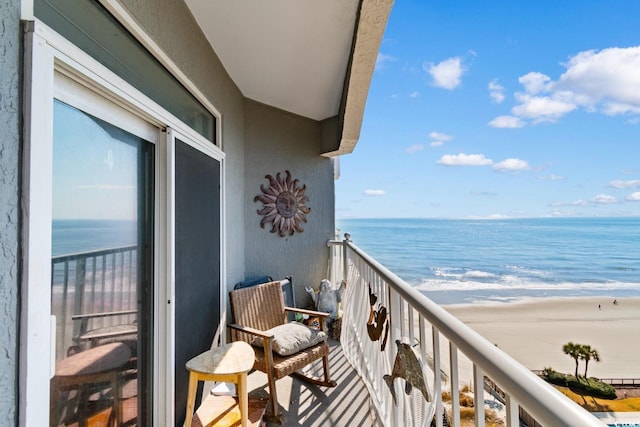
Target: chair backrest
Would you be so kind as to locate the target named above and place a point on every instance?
(260, 307)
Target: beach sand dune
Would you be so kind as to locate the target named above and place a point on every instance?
(533, 331)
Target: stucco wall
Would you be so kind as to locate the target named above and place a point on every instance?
(9, 205)
(277, 141)
(187, 46)
(257, 140)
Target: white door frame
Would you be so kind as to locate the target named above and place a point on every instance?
(46, 53)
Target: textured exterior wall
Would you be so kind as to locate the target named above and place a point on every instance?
(277, 141)
(10, 47)
(189, 49)
(257, 140)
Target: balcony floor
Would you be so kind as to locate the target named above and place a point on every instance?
(303, 404)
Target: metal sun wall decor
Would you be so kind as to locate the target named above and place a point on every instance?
(283, 204)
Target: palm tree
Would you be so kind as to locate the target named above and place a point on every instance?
(588, 354)
(574, 351)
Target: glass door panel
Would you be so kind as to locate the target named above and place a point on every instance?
(101, 284)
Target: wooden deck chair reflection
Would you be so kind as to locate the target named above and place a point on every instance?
(258, 309)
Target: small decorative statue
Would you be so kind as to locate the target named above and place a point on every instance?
(327, 299)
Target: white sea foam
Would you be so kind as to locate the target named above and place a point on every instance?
(516, 283)
(477, 274)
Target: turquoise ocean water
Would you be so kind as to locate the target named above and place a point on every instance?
(462, 261)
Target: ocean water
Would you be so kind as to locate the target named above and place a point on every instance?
(70, 236)
(462, 261)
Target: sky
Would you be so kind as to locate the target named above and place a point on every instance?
(500, 109)
(94, 171)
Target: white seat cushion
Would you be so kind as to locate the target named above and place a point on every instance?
(291, 338)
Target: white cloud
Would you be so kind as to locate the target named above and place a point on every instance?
(580, 202)
(541, 108)
(534, 83)
(496, 91)
(414, 94)
(604, 199)
(551, 177)
(608, 78)
(510, 122)
(605, 81)
(464, 160)
(446, 74)
(374, 192)
(634, 197)
(498, 216)
(440, 136)
(414, 148)
(382, 59)
(625, 184)
(512, 165)
(438, 139)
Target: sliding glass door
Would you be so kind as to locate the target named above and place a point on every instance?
(102, 258)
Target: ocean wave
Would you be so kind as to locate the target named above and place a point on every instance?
(517, 283)
(477, 274)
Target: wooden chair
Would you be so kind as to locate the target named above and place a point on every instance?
(256, 310)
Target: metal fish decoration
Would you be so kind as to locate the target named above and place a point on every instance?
(407, 366)
(378, 321)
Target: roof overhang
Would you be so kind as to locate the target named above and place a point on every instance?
(308, 57)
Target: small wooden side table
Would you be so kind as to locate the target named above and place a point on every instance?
(228, 363)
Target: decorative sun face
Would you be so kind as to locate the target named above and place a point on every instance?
(283, 205)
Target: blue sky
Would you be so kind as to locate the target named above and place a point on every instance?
(94, 174)
(500, 109)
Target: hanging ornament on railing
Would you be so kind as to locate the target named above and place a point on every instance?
(283, 205)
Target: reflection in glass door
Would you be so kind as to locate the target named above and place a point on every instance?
(101, 284)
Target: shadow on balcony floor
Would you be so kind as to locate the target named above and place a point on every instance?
(304, 404)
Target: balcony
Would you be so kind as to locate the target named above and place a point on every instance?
(383, 317)
(443, 342)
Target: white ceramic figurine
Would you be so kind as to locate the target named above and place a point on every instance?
(327, 299)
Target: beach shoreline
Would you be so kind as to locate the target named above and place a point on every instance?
(533, 331)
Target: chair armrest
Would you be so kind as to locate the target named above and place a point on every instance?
(267, 337)
(309, 312)
(251, 331)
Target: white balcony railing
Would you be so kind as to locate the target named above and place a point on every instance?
(381, 312)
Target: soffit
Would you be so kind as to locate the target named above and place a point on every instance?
(289, 54)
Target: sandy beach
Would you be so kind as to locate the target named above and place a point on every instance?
(534, 330)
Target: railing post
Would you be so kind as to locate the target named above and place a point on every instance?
(345, 261)
(513, 412)
(478, 395)
(78, 298)
(455, 385)
(437, 379)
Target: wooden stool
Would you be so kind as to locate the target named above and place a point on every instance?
(228, 363)
(99, 364)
